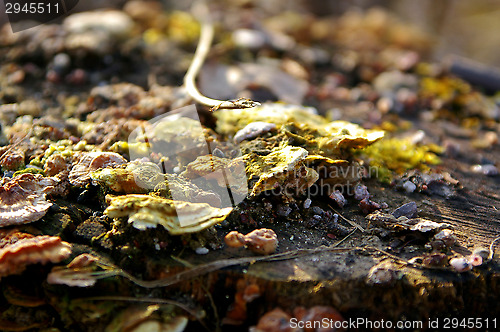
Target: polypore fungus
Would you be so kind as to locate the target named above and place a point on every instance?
(14, 257)
(22, 199)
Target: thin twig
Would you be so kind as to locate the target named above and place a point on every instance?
(197, 315)
(346, 237)
(492, 248)
(206, 36)
(352, 223)
(224, 263)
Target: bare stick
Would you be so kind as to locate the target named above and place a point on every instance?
(206, 36)
(492, 248)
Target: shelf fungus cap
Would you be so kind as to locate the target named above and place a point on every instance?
(92, 161)
(14, 257)
(178, 217)
(22, 199)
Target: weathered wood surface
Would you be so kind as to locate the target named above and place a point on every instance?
(339, 278)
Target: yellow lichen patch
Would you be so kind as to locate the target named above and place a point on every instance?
(334, 173)
(145, 211)
(330, 139)
(229, 122)
(177, 138)
(350, 135)
(179, 130)
(445, 88)
(182, 27)
(274, 169)
(316, 159)
(137, 149)
(399, 155)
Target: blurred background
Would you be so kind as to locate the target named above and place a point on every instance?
(461, 27)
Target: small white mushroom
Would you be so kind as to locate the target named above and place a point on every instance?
(460, 264)
(475, 260)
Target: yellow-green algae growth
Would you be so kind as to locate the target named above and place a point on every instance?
(305, 149)
(395, 155)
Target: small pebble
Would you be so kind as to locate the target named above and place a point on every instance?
(77, 77)
(338, 198)
(361, 192)
(489, 170)
(368, 206)
(61, 62)
(446, 235)
(318, 210)
(381, 274)
(284, 210)
(253, 130)
(409, 186)
(201, 251)
(248, 38)
(475, 260)
(451, 147)
(307, 203)
(408, 210)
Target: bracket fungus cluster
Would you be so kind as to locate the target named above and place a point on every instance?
(18, 250)
(282, 149)
(23, 198)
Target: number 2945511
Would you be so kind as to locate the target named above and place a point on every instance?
(12, 7)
